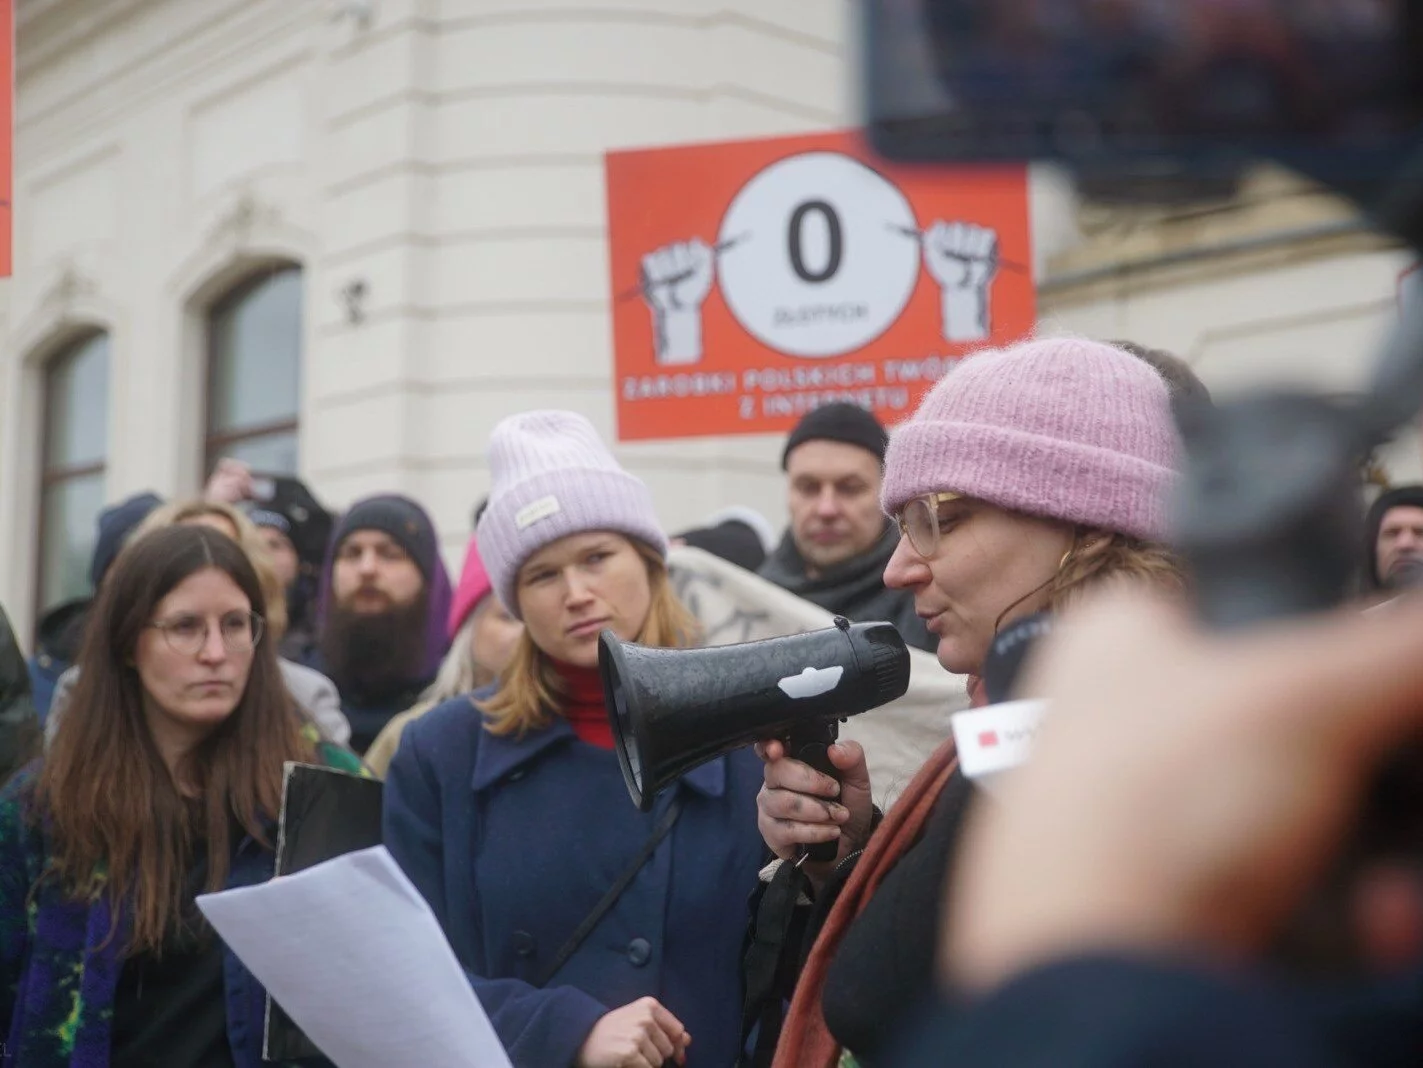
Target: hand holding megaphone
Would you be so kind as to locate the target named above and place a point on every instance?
(674, 709)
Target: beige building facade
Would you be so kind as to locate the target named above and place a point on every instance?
(347, 236)
(431, 170)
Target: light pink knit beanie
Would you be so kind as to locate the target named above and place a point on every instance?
(1063, 428)
(553, 476)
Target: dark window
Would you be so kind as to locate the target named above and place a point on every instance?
(254, 373)
(76, 439)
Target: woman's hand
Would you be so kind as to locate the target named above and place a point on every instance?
(800, 806)
(230, 483)
(640, 1035)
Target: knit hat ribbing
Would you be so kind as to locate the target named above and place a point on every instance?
(1063, 428)
(552, 476)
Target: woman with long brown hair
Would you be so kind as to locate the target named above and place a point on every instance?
(1028, 477)
(163, 781)
(595, 935)
(314, 694)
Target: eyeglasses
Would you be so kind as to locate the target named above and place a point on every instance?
(241, 631)
(919, 521)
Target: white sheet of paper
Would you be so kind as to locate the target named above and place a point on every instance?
(353, 953)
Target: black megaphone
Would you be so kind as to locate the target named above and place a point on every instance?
(674, 709)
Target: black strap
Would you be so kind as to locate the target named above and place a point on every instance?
(766, 965)
(663, 828)
(781, 936)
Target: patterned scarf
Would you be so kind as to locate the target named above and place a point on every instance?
(806, 1041)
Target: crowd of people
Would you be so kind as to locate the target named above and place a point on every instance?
(142, 749)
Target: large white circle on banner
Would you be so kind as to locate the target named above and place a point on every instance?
(818, 255)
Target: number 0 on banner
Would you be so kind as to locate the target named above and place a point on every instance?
(821, 255)
(754, 281)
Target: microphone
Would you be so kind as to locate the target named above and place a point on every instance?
(1010, 649)
(996, 739)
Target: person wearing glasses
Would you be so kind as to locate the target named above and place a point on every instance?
(1027, 477)
(164, 781)
(314, 693)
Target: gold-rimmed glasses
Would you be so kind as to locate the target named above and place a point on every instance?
(919, 521)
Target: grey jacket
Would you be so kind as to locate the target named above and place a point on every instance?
(312, 691)
(854, 589)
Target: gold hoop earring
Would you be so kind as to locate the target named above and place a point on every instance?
(1063, 562)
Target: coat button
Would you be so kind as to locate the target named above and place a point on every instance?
(639, 952)
(524, 943)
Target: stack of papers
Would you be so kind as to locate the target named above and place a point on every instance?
(354, 955)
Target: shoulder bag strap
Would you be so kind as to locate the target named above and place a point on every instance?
(663, 828)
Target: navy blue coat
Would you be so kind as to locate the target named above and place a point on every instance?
(514, 840)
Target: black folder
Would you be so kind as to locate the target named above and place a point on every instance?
(325, 813)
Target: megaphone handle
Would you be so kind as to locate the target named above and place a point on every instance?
(810, 743)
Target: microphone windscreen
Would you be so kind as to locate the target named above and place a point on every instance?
(1010, 648)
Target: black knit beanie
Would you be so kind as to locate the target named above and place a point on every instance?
(841, 421)
(401, 518)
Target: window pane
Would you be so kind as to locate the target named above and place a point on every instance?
(77, 405)
(273, 454)
(256, 354)
(71, 509)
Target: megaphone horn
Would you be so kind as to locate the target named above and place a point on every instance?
(674, 709)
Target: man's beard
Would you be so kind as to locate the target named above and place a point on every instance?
(374, 656)
(1405, 574)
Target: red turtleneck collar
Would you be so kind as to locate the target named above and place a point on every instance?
(583, 706)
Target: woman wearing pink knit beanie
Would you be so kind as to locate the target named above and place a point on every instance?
(1027, 475)
(595, 934)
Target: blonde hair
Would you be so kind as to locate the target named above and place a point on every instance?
(530, 689)
(460, 670)
(178, 513)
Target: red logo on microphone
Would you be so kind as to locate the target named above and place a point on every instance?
(987, 739)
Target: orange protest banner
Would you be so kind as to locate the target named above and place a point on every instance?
(755, 280)
(7, 132)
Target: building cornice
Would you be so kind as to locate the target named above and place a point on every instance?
(47, 29)
(1272, 211)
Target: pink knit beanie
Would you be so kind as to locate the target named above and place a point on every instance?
(1063, 428)
(474, 586)
(553, 476)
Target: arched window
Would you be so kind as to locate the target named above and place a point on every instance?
(254, 372)
(75, 448)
